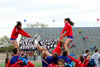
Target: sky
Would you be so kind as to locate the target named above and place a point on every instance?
(83, 13)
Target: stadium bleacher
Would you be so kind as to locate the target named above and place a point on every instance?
(93, 39)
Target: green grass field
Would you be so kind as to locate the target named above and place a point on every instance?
(37, 64)
(2, 64)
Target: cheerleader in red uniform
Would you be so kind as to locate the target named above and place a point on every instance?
(69, 32)
(16, 31)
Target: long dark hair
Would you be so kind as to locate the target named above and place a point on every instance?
(64, 53)
(69, 21)
(81, 59)
(18, 23)
(55, 55)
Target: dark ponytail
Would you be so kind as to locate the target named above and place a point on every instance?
(18, 23)
(81, 59)
(69, 21)
(64, 53)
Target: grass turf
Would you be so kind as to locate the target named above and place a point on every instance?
(2, 64)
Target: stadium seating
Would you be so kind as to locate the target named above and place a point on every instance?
(93, 34)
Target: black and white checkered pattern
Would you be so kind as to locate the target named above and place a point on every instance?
(28, 43)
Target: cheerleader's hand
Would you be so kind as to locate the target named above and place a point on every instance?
(61, 38)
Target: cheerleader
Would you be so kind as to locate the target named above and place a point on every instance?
(16, 31)
(69, 32)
